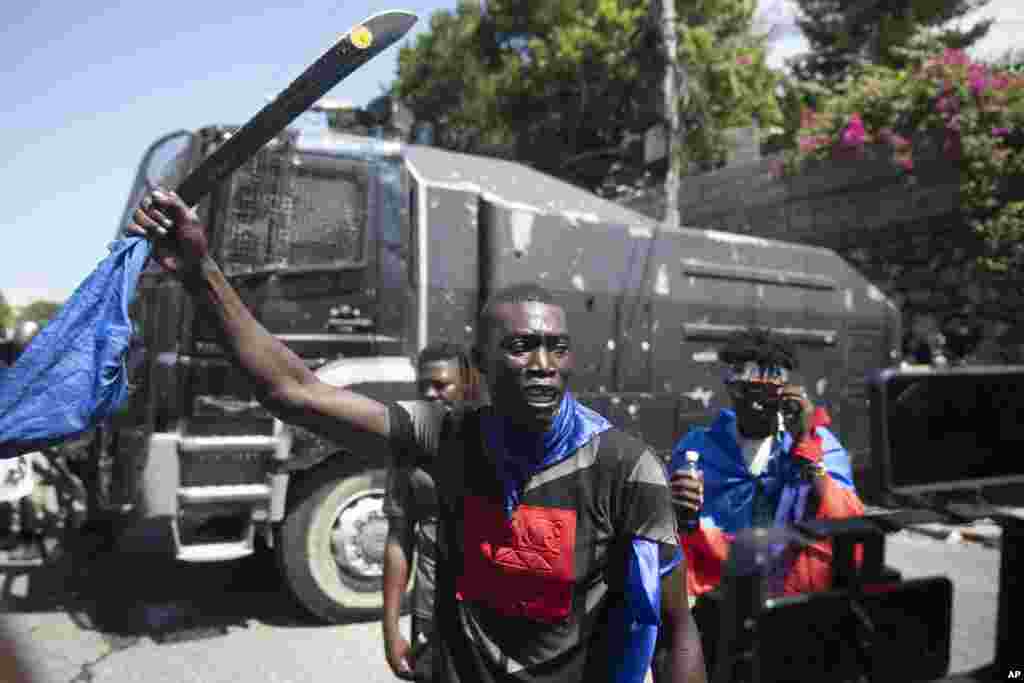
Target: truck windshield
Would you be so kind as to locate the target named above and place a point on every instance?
(285, 214)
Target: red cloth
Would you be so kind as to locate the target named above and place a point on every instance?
(706, 549)
(809, 447)
(812, 570)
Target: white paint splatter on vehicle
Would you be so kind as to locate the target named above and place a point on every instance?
(645, 346)
(611, 344)
(820, 386)
(640, 231)
(632, 410)
(661, 282)
(848, 299)
(521, 227)
(706, 356)
(701, 394)
(578, 282)
(575, 217)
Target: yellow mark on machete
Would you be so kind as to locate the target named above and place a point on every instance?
(361, 37)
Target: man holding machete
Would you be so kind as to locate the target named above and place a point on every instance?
(557, 551)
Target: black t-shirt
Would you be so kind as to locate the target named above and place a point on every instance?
(527, 598)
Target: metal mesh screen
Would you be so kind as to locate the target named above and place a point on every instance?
(328, 217)
(282, 214)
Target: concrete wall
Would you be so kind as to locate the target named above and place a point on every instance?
(904, 235)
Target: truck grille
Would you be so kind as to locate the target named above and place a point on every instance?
(284, 212)
(224, 469)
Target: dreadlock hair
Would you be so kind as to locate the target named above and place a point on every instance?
(761, 346)
(440, 352)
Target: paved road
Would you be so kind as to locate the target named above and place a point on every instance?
(160, 622)
(164, 623)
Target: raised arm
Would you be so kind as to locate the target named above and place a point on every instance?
(282, 381)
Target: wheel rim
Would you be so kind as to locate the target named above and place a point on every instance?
(358, 536)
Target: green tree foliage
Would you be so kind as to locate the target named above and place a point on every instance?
(846, 34)
(560, 84)
(730, 84)
(39, 311)
(965, 113)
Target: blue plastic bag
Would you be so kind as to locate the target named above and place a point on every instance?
(73, 375)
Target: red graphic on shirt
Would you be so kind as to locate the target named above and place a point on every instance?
(523, 566)
(535, 542)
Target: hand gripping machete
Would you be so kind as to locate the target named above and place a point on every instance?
(362, 43)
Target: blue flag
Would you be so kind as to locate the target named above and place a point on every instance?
(633, 626)
(73, 375)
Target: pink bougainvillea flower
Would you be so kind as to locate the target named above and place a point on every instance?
(907, 163)
(1000, 132)
(999, 82)
(853, 135)
(744, 60)
(978, 83)
(954, 57)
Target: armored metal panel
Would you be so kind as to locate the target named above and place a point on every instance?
(514, 183)
(452, 264)
(391, 223)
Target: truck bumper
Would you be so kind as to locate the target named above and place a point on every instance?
(169, 513)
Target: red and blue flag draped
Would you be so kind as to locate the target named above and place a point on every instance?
(73, 375)
(729, 485)
(729, 488)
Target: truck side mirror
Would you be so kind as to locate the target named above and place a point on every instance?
(167, 161)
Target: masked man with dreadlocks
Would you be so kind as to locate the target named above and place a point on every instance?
(557, 550)
(770, 461)
(445, 376)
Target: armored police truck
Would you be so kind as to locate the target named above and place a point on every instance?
(356, 253)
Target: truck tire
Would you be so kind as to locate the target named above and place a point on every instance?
(330, 545)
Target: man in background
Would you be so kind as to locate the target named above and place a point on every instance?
(445, 376)
(771, 461)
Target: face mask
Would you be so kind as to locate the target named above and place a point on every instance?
(755, 391)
